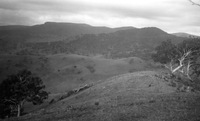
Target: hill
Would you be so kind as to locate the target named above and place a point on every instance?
(114, 62)
(63, 72)
(52, 31)
(83, 39)
(139, 96)
(12, 27)
(123, 43)
(14, 37)
(182, 34)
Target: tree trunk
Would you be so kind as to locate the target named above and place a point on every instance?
(18, 110)
(19, 107)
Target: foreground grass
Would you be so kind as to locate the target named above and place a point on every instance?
(139, 107)
(140, 96)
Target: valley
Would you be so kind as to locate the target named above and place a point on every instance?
(97, 73)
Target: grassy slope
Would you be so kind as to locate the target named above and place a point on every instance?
(139, 96)
(64, 72)
(72, 71)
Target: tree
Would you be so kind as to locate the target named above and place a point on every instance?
(166, 54)
(194, 3)
(181, 58)
(18, 89)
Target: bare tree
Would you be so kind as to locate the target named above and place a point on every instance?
(181, 61)
(194, 3)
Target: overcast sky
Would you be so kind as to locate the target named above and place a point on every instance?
(169, 15)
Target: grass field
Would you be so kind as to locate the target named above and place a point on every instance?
(138, 96)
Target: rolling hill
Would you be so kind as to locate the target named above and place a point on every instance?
(63, 72)
(138, 96)
(124, 84)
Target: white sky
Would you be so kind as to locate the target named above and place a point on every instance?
(169, 15)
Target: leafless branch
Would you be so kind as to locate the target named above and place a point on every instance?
(11, 101)
(194, 3)
(181, 60)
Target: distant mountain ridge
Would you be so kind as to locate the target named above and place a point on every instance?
(53, 38)
(12, 27)
(123, 43)
(53, 31)
(182, 34)
(13, 37)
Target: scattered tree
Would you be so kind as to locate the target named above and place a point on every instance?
(18, 89)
